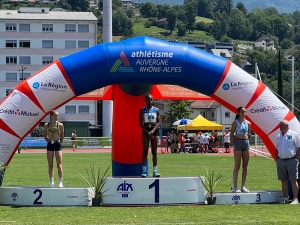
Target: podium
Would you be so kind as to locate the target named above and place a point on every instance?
(132, 191)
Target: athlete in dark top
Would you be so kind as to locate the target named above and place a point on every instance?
(149, 119)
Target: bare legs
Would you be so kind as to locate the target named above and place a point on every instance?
(238, 156)
(145, 140)
(50, 157)
(73, 146)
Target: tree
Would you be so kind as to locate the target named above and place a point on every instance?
(115, 4)
(37, 132)
(241, 7)
(190, 8)
(240, 27)
(148, 9)
(279, 74)
(205, 9)
(223, 5)
(286, 44)
(178, 110)
(79, 5)
(65, 5)
(171, 18)
(1, 4)
(122, 25)
(130, 13)
(181, 28)
(280, 27)
(162, 11)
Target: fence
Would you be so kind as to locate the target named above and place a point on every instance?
(80, 142)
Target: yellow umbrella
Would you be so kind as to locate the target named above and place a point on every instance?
(200, 123)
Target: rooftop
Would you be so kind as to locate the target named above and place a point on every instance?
(204, 104)
(51, 15)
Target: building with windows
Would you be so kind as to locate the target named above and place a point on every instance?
(265, 42)
(32, 37)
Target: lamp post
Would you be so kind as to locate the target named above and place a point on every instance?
(293, 77)
(23, 68)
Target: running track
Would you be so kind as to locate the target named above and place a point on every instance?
(105, 150)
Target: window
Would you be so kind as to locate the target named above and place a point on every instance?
(212, 115)
(70, 44)
(11, 60)
(24, 27)
(47, 44)
(24, 44)
(8, 91)
(83, 44)
(11, 27)
(70, 27)
(24, 60)
(24, 76)
(83, 109)
(160, 106)
(47, 59)
(10, 44)
(47, 27)
(70, 109)
(203, 114)
(227, 114)
(11, 76)
(83, 28)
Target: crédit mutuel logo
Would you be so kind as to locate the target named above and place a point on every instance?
(118, 64)
(267, 109)
(18, 112)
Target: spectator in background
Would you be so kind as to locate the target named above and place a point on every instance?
(216, 140)
(73, 138)
(226, 140)
(205, 142)
(200, 140)
(173, 141)
(182, 143)
(195, 142)
(211, 142)
(168, 142)
(178, 139)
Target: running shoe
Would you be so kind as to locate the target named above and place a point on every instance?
(236, 190)
(144, 175)
(156, 174)
(295, 201)
(284, 201)
(245, 190)
(52, 185)
(61, 185)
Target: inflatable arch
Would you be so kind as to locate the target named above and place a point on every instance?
(137, 62)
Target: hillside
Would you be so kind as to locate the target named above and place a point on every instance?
(283, 6)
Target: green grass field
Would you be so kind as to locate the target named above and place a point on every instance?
(203, 19)
(31, 170)
(140, 30)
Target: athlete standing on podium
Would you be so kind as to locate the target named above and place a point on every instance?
(149, 119)
(54, 135)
